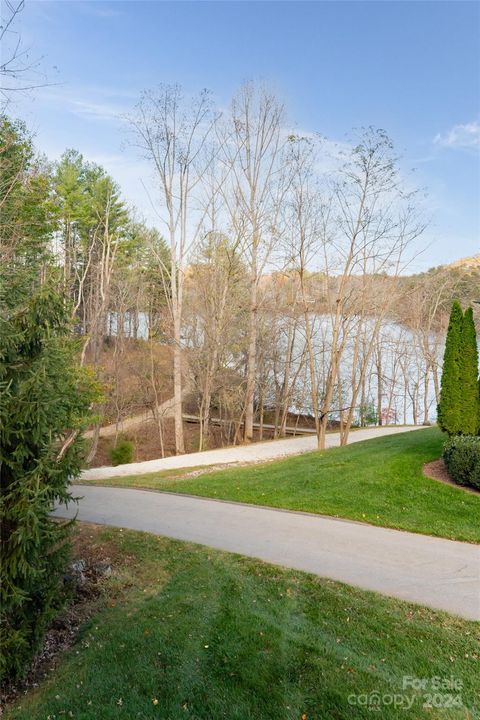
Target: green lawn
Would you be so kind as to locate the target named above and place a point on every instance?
(376, 481)
(188, 632)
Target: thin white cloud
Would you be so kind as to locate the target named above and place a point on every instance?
(99, 10)
(97, 111)
(110, 91)
(461, 136)
(87, 104)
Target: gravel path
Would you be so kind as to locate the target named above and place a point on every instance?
(256, 452)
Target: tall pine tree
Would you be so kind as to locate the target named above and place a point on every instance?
(470, 404)
(45, 404)
(450, 408)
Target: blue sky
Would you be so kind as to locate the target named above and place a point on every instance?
(411, 68)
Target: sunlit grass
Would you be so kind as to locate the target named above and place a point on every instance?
(206, 635)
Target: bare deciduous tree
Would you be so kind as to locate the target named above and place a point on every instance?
(172, 134)
(251, 145)
(18, 71)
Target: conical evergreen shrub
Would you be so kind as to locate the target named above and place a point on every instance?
(450, 407)
(470, 404)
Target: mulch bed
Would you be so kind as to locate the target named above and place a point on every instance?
(437, 471)
(91, 564)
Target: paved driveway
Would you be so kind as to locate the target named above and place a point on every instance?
(256, 452)
(438, 573)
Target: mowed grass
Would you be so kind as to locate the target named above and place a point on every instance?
(189, 632)
(376, 481)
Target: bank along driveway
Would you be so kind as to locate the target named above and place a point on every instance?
(439, 573)
(255, 452)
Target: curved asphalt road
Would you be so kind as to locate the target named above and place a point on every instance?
(441, 574)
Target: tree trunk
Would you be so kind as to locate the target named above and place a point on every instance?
(285, 392)
(379, 389)
(94, 444)
(261, 416)
(436, 383)
(177, 385)
(251, 367)
(426, 388)
(205, 407)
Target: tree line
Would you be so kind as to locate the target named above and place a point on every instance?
(276, 286)
(277, 276)
(275, 283)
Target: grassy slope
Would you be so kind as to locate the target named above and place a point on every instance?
(376, 481)
(206, 635)
(148, 480)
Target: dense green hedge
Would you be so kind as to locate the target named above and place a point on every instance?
(462, 459)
